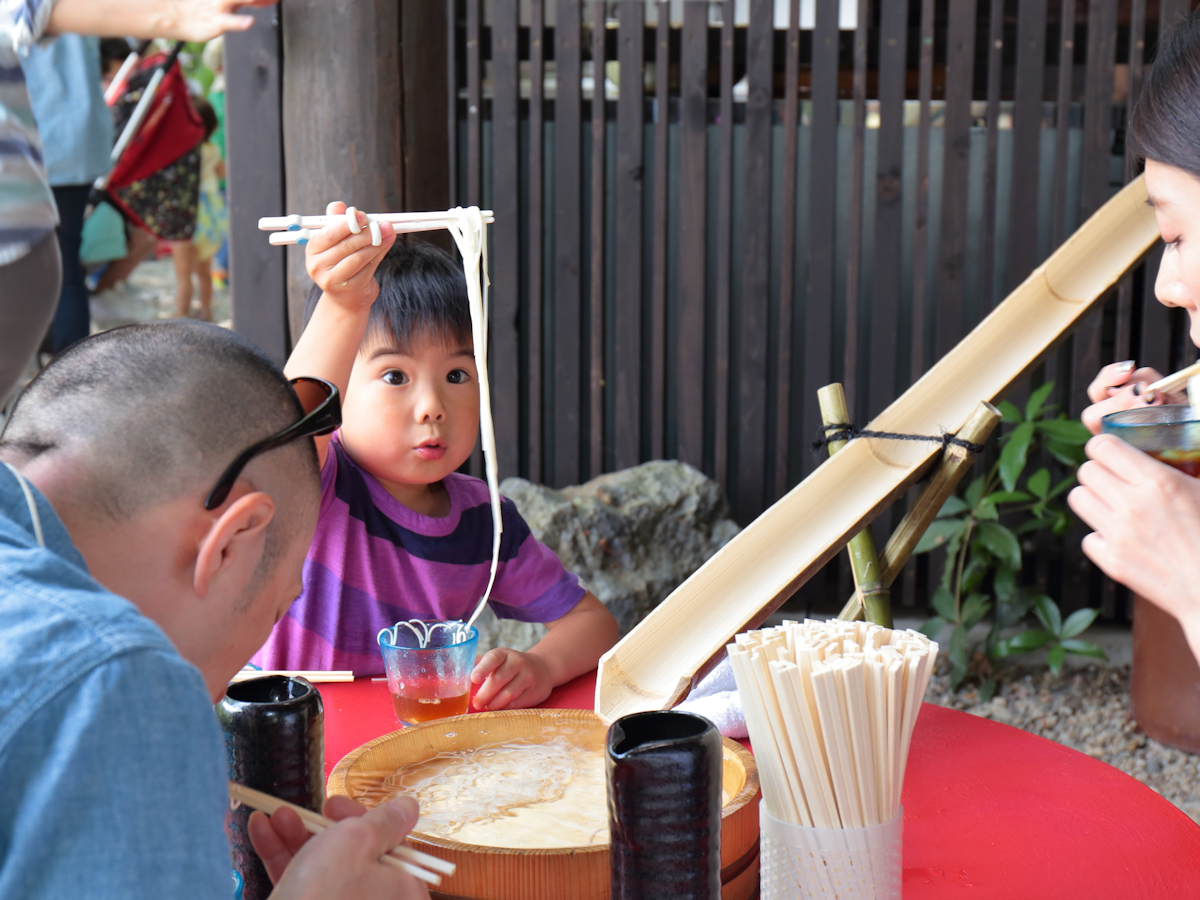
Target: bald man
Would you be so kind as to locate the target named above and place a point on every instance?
(140, 567)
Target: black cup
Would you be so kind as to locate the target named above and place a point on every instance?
(275, 739)
(664, 807)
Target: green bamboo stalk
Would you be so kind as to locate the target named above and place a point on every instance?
(875, 596)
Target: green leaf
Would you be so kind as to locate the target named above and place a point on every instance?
(974, 492)
(1039, 483)
(1047, 612)
(1004, 583)
(1055, 658)
(952, 507)
(1010, 413)
(943, 604)
(986, 510)
(1060, 522)
(1011, 613)
(1001, 542)
(1078, 622)
(1009, 497)
(987, 690)
(975, 607)
(974, 572)
(1083, 648)
(1027, 640)
(939, 532)
(931, 628)
(1068, 454)
(1065, 431)
(1061, 486)
(1012, 457)
(1036, 524)
(1037, 400)
(957, 653)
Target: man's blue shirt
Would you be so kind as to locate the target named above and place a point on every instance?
(112, 768)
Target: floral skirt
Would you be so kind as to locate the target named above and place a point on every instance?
(167, 201)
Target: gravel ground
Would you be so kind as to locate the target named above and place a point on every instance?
(1086, 709)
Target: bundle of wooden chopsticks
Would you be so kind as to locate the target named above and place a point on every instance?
(414, 862)
(830, 707)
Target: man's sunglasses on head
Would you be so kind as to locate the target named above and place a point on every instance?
(322, 414)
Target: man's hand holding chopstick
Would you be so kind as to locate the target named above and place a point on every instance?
(342, 861)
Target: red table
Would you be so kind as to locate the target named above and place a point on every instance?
(989, 811)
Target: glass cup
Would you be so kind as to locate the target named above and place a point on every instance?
(1169, 433)
(430, 682)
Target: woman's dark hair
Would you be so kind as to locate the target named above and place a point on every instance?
(422, 292)
(1165, 123)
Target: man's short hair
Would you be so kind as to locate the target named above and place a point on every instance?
(158, 410)
(422, 293)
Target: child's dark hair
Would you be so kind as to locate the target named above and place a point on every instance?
(422, 292)
(208, 115)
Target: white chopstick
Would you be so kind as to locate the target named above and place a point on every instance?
(280, 223)
(401, 856)
(316, 677)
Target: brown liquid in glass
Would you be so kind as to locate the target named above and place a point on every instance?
(1186, 461)
(415, 710)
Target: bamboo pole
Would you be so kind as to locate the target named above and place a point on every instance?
(871, 593)
(955, 463)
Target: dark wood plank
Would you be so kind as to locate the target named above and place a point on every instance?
(987, 236)
(565, 393)
(1155, 350)
(655, 416)
(887, 260)
(752, 314)
(425, 110)
(1123, 348)
(724, 252)
(921, 227)
(854, 250)
(254, 183)
(1027, 133)
(475, 146)
(474, 104)
(596, 304)
(787, 254)
(1170, 14)
(531, 326)
(1066, 65)
(452, 98)
(693, 204)
(822, 216)
(326, 97)
(505, 236)
(956, 160)
(1094, 186)
(631, 30)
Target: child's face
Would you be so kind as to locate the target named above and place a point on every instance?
(412, 418)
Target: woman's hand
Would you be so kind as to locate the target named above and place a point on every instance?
(342, 861)
(1119, 386)
(1145, 518)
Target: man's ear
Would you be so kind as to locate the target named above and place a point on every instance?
(234, 544)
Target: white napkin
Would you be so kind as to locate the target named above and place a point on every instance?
(716, 698)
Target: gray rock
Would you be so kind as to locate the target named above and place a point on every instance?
(632, 536)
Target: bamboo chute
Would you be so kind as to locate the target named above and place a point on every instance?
(653, 666)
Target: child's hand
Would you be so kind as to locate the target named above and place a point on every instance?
(343, 264)
(511, 680)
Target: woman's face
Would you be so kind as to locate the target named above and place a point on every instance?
(1175, 196)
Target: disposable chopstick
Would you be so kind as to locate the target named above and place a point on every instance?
(279, 223)
(402, 856)
(1177, 382)
(315, 677)
(286, 238)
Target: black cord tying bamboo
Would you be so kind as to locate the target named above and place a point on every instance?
(849, 432)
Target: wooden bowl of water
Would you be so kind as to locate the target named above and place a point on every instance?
(517, 800)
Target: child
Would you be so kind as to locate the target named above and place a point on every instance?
(195, 257)
(401, 535)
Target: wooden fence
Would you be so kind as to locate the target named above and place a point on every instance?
(758, 209)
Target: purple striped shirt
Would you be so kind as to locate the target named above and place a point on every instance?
(374, 562)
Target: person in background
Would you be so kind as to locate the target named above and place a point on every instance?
(214, 58)
(30, 264)
(77, 136)
(194, 257)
